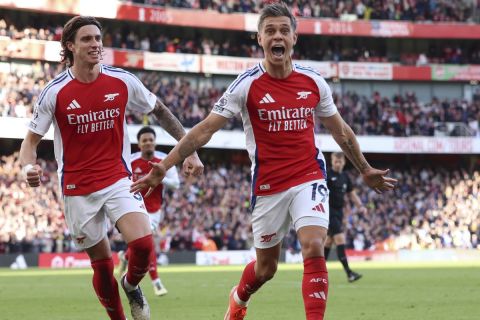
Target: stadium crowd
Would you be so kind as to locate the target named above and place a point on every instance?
(401, 115)
(214, 207)
(404, 115)
(413, 10)
(31, 220)
(430, 208)
(139, 37)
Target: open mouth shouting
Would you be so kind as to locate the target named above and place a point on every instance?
(278, 51)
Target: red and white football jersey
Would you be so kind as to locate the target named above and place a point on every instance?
(278, 119)
(141, 167)
(91, 141)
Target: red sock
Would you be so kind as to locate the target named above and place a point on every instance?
(152, 268)
(106, 288)
(139, 259)
(315, 287)
(248, 283)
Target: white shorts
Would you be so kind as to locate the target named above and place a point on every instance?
(303, 205)
(86, 215)
(155, 219)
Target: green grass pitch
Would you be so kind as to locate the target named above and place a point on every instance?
(449, 291)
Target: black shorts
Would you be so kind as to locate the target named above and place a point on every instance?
(335, 226)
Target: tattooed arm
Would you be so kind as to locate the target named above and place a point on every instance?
(192, 164)
(344, 136)
(195, 139)
(168, 121)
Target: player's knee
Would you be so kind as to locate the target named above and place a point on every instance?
(142, 246)
(313, 247)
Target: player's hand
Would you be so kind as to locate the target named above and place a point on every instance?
(192, 166)
(378, 180)
(151, 180)
(33, 175)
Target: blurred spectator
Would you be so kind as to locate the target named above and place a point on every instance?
(422, 60)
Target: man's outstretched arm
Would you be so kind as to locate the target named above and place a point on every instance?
(197, 137)
(192, 164)
(344, 136)
(168, 121)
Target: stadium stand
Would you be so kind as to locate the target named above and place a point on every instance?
(420, 10)
(400, 115)
(139, 37)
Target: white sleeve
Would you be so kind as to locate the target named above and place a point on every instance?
(326, 107)
(140, 99)
(43, 112)
(171, 179)
(233, 100)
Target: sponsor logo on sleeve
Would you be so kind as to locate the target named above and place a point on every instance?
(220, 105)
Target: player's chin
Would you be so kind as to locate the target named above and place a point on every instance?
(93, 59)
(277, 59)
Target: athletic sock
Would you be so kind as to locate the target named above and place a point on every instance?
(315, 287)
(249, 283)
(152, 268)
(343, 258)
(106, 288)
(138, 260)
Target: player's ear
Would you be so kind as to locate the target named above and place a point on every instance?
(259, 39)
(295, 37)
(69, 45)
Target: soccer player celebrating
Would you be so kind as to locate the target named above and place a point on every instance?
(140, 167)
(339, 184)
(86, 104)
(278, 100)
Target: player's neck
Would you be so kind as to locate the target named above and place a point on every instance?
(278, 71)
(85, 72)
(147, 156)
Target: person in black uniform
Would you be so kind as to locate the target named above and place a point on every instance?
(339, 184)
